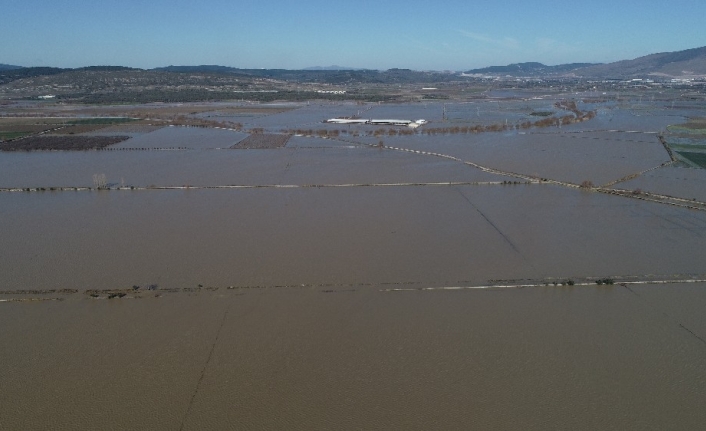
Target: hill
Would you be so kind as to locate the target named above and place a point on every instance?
(9, 75)
(530, 69)
(9, 67)
(333, 67)
(111, 84)
(122, 84)
(687, 63)
(206, 68)
(323, 76)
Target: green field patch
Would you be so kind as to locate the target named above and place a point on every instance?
(687, 147)
(695, 126)
(5, 136)
(541, 113)
(694, 159)
(691, 130)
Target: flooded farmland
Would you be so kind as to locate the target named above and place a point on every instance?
(538, 278)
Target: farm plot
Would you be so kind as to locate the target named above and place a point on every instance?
(262, 141)
(61, 143)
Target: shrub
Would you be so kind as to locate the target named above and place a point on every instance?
(605, 281)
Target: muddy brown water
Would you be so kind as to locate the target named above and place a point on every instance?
(427, 234)
(687, 183)
(534, 359)
(571, 157)
(189, 137)
(312, 337)
(338, 163)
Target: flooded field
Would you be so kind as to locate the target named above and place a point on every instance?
(517, 279)
(350, 235)
(688, 183)
(184, 137)
(576, 358)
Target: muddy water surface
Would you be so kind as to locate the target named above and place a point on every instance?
(573, 358)
(571, 157)
(424, 234)
(302, 308)
(334, 164)
(687, 183)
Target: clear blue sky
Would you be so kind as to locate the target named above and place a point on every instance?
(423, 35)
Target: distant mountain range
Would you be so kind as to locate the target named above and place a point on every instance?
(529, 69)
(687, 63)
(334, 67)
(323, 75)
(206, 68)
(679, 64)
(9, 67)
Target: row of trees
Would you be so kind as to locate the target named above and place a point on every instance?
(183, 120)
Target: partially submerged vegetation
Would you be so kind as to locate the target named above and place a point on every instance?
(157, 291)
(695, 126)
(19, 127)
(9, 135)
(61, 143)
(687, 142)
(149, 117)
(693, 158)
(262, 141)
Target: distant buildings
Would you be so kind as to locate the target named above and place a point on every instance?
(384, 122)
